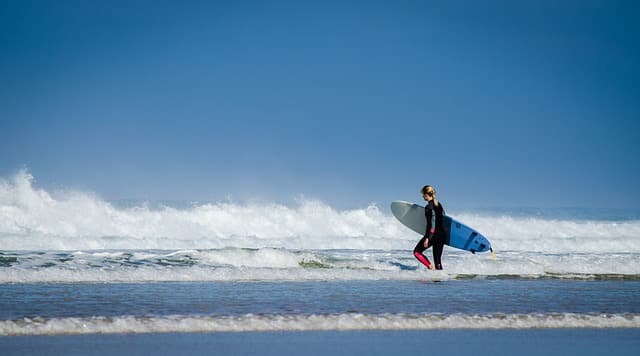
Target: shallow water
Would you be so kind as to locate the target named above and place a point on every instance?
(33, 309)
(585, 342)
(366, 297)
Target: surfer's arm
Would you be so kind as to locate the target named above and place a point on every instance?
(430, 228)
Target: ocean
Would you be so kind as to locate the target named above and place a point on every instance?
(79, 274)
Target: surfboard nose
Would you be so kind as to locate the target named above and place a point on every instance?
(484, 245)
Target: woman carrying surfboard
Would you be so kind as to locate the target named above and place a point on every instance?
(435, 235)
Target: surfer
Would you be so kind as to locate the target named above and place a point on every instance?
(435, 235)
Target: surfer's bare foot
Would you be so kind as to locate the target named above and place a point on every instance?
(432, 268)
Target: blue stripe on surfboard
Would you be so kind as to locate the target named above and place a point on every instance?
(473, 234)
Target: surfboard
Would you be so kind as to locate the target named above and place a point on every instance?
(458, 235)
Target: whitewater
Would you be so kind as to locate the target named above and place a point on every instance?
(74, 236)
(341, 322)
(72, 262)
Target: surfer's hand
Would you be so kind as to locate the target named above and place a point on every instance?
(426, 243)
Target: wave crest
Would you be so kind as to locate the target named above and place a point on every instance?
(350, 321)
(36, 219)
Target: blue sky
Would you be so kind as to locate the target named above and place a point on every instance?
(497, 103)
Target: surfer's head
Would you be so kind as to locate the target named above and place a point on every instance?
(429, 194)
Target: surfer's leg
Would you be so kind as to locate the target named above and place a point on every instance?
(417, 252)
(437, 254)
(422, 259)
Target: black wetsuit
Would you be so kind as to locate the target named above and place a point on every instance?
(435, 234)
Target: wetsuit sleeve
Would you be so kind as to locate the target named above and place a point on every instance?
(428, 213)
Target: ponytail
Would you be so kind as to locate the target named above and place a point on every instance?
(428, 190)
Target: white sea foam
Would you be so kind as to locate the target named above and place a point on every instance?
(268, 264)
(250, 322)
(197, 274)
(85, 238)
(35, 219)
(508, 233)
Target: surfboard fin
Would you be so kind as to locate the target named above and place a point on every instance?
(493, 254)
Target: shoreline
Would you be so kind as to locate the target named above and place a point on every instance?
(493, 342)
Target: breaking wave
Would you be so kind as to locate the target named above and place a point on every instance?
(70, 236)
(350, 321)
(35, 219)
